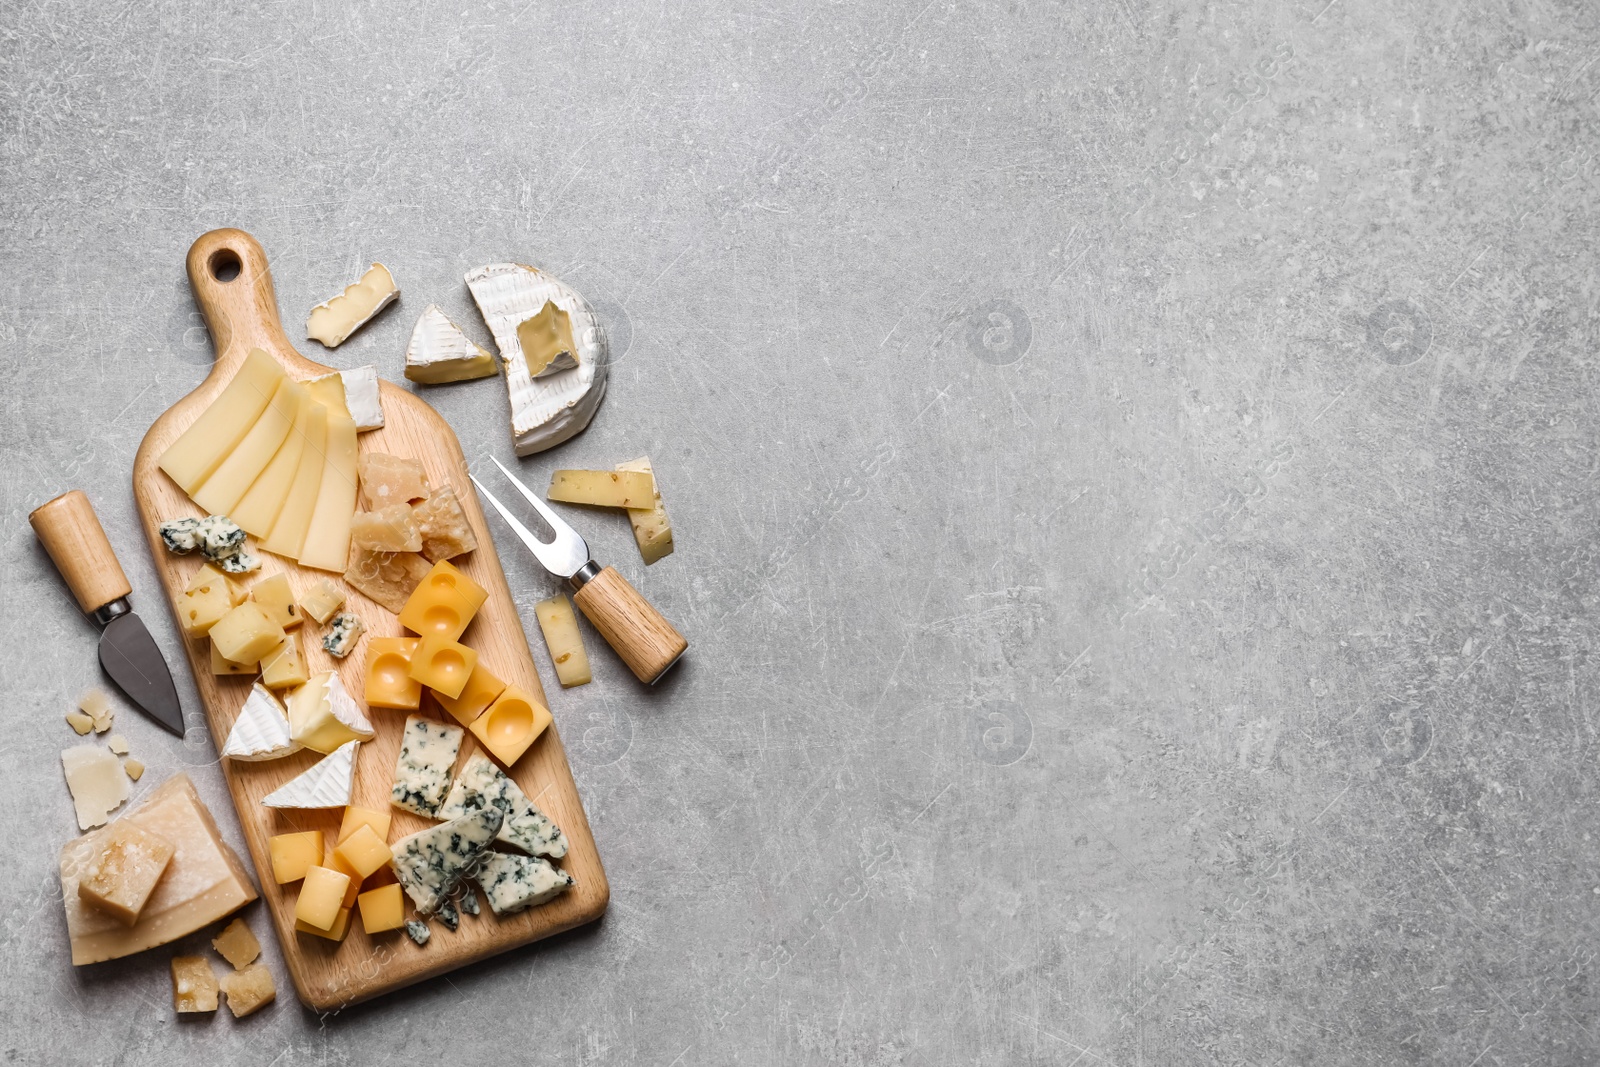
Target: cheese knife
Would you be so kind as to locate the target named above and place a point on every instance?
(71, 532)
(646, 641)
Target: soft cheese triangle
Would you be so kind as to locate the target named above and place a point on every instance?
(481, 785)
(439, 352)
(555, 406)
(326, 784)
(323, 715)
(261, 732)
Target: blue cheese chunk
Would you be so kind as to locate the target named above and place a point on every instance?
(481, 784)
(468, 901)
(430, 863)
(448, 915)
(343, 633)
(422, 776)
(220, 537)
(418, 932)
(511, 883)
(181, 536)
(241, 562)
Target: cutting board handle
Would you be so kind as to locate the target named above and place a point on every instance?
(233, 286)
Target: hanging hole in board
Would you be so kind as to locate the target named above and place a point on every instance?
(224, 265)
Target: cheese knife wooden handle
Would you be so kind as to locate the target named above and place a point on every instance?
(71, 532)
(646, 641)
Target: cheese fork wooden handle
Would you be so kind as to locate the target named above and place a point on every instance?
(646, 641)
(71, 532)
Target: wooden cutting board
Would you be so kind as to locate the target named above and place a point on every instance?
(242, 313)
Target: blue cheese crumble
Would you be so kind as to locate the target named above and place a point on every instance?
(217, 537)
(418, 932)
(343, 633)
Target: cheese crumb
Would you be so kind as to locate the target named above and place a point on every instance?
(134, 768)
(118, 744)
(80, 723)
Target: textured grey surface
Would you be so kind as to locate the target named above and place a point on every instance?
(1132, 466)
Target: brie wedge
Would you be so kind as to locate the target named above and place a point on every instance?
(558, 404)
(326, 784)
(323, 716)
(261, 732)
(439, 352)
(352, 392)
(337, 318)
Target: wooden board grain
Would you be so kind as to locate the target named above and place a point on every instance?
(242, 313)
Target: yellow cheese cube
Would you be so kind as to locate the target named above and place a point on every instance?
(608, 489)
(237, 944)
(560, 628)
(336, 932)
(220, 666)
(444, 602)
(355, 817)
(335, 862)
(383, 908)
(277, 600)
(322, 601)
(390, 529)
(511, 724)
(245, 634)
(364, 851)
(284, 667)
(206, 600)
(442, 665)
(238, 593)
(389, 681)
(481, 689)
(249, 989)
(124, 872)
(294, 854)
(321, 897)
(194, 985)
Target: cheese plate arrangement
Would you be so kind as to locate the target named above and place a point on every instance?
(384, 733)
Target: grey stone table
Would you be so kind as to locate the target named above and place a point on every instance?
(1134, 471)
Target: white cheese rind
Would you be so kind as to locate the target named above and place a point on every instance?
(547, 410)
(511, 883)
(261, 732)
(439, 352)
(335, 319)
(430, 863)
(326, 784)
(481, 784)
(361, 396)
(428, 751)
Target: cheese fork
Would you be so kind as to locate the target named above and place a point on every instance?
(647, 643)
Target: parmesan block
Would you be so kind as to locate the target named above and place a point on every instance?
(445, 531)
(204, 880)
(124, 871)
(249, 989)
(194, 985)
(237, 944)
(388, 529)
(386, 578)
(333, 320)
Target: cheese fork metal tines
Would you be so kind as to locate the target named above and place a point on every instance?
(647, 643)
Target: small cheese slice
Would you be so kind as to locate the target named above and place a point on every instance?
(512, 883)
(228, 484)
(261, 732)
(555, 406)
(352, 393)
(430, 863)
(560, 628)
(651, 530)
(294, 517)
(323, 716)
(439, 352)
(192, 458)
(422, 774)
(337, 318)
(326, 784)
(606, 489)
(481, 784)
(327, 542)
(96, 781)
(204, 880)
(258, 509)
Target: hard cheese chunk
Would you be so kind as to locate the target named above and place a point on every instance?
(245, 634)
(124, 871)
(332, 860)
(206, 599)
(386, 578)
(204, 880)
(480, 785)
(387, 479)
(364, 852)
(335, 319)
(223, 667)
(480, 691)
(322, 601)
(511, 724)
(336, 932)
(388, 529)
(248, 990)
(96, 781)
(443, 603)
(274, 597)
(512, 883)
(383, 908)
(611, 489)
(355, 818)
(422, 775)
(442, 664)
(445, 531)
(430, 863)
(285, 666)
(389, 681)
(193, 457)
(194, 985)
(237, 944)
(651, 530)
(560, 628)
(321, 897)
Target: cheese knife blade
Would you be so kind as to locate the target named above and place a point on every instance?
(130, 656)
